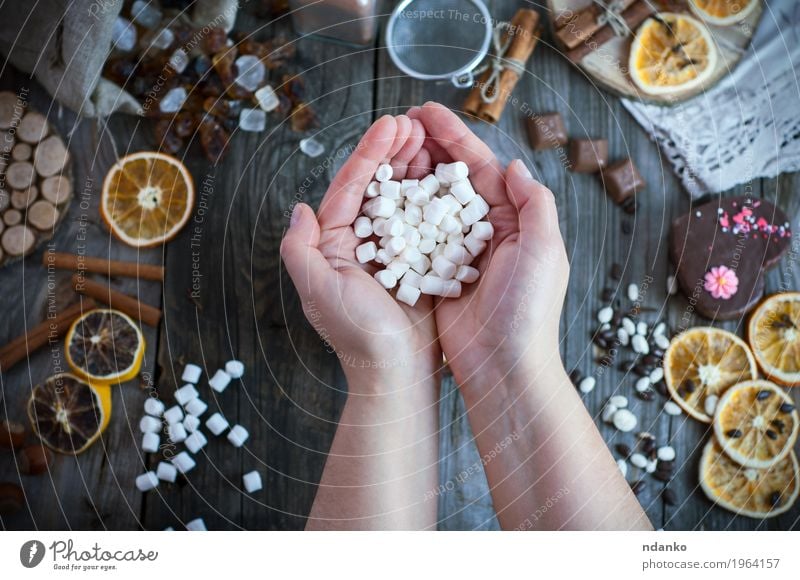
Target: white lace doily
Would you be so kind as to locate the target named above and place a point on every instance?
(746, 127)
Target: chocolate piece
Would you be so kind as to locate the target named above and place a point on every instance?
(588, 155)
(546, 131)
(622, 181)
(721, 250)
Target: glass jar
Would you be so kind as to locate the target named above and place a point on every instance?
(347, 21)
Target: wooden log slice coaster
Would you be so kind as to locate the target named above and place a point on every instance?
(21, 152)
(42, 215)
(18, 240)
(22, 200)
(56, 189)
(20, 175)
(33, 128)
(12, 217)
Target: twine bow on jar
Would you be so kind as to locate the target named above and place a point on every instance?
(611, 14)
(502, 37)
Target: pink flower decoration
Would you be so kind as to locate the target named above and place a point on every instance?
(721, 282)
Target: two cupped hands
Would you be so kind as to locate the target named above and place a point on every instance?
(506, 323)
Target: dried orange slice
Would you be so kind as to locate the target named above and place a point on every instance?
(704, 362)
(671, 52)
(104, 347)
(723, 12)
(756, 424)
(67, 414)
(774, 337)
(147, 198)
(757, 493)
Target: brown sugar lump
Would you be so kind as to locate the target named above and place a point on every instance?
(588, 155)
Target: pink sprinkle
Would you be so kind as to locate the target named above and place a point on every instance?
(721, 282)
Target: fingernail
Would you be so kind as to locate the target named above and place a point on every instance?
(295, 215)
(523, 169)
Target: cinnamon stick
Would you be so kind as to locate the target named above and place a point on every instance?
(42, 333)
(584, 24)
(633, 16)
(64, 261)
(145, 313)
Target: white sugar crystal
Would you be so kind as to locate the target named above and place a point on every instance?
(173, 100)
(183, 462)
(432, 285)
(251, 72)
(191, 423)
(216, 423)
(366, 252)
(124, 34)
(386, 278)
(252, 120)
(660, 328)
(191, 374)
(441, 238)
(220, 381)
(179, 60)
(145, 13)
(196, 407)
(467, 274)
(154, 407)
(311, 147)
(267, 99)
(147, 481)
(173, 415)
(482, 231)
(363, 227)
(177, 433)
(185, 394)
(195, 442)
(443, 267)
(150, 442)
(166, 472)
(235, 369)
(408, 294)
(149, 424)
(252, 481)
(238, 435)
(384, 172)
(624, 420)
(197, 525)
(437, 251)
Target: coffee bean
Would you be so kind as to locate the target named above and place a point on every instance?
(608, 294)
(787, 408)
(606, 360)
(662, 475)
(661, 387)
(763, 394)
(669, 496)
(649, 445)
(771, 434)
(575, 376)
(652, 360)
(616, 271)
(666, 465)
(609, 335)
(775, 499)
(734, 433)
(642, 370)
(627, 228)
(600, 341)
(623, 450)
(626, 366)
(647, 395)
(638, 486)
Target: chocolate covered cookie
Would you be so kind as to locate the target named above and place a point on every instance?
(721, 251)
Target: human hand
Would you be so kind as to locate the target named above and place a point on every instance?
(366, 326)
(508, 320)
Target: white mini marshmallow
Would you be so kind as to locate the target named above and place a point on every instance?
(473, 245)
(482, 231)
(398, 268)
(154, 407)
(366, 252)
(422, 265)
(386, 278)
(457, 238)
(441, 237)
(166, 472)
(437, 251)
(362, 227)
(394, 227)
(453, 206)
(462, 191)
(408, 294)
(474, 211)
(428, 231)
(379, 207)
(434, 212)
(147, 481)
(149, 424)
(252, 481)
(390, 190)
(373, 189)
(450, 225)
(395, 246)
(196, 407)
(431, 285)
(411, 278)
(195, 442)
(426, 246)
(191, 423)
(216, 423)
(220, 381)
(412, 238)
(384, 172)
(430, 184)
(378, 226)
(183, 462)
(413, 215)
(173, 415)
(443, 267)
(457, 254)
(150, 442)
(418, 196)
(451, 289)
(384, 240)
(238, 435)
(177, 433)
(407, 184)
(235, 369)
(197, 525)
(410, 254)
(191, 373)
(185, 394)
(467, 274)
(448, 173)
(383, 257)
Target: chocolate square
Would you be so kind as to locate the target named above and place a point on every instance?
(546, 131)
(622, 181)
(588, 155)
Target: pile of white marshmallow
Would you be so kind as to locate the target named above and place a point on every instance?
(429, 231)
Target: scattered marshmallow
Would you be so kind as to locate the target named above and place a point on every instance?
(235, 369)
(252, 481)
(408, 294)
(196, 407)
(384, 173)
(147, 481)
(363, 227)
(166, 472)
(173, 415)
(191, 373)
(183, 462)
(177, 433)
(185, 394)
(220, 381)
(154, 407)
(217, 424)
(238, 435)
(197, 525)
(195, 442)
(467, 274)
(191, 423)
(149, 424)
(150, 442)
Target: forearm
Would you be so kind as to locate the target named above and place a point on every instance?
(546, 463)
(384, 456)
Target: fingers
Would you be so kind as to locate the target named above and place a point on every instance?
(534, 202)
(307, 267)
(420, 166)
(403, 131)
(410, 149)
(342, 202)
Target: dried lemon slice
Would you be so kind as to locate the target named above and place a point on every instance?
(756, 424)
(723, 12)
(774, 337)
(671, 52)
(704, 362)
(105, 347)
(748, 491)
(67, 414)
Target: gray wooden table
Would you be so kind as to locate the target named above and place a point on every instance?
(292, 393)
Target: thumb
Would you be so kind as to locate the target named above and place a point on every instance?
(306, 265)
(535, 203)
